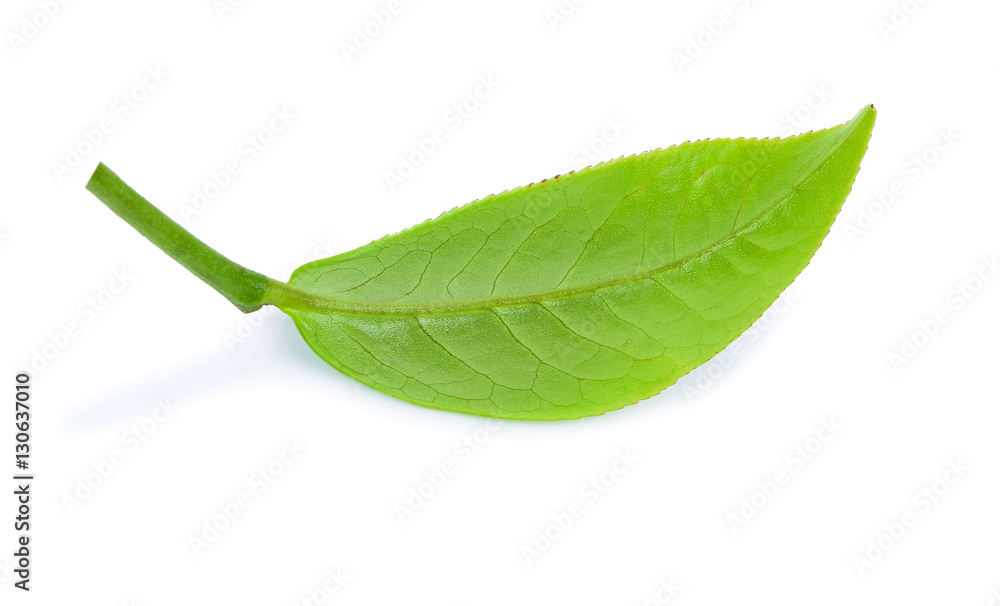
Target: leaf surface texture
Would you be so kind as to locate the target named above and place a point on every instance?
(587, 292)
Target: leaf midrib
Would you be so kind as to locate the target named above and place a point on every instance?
(289, 297)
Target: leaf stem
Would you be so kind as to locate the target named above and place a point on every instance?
(244, 288)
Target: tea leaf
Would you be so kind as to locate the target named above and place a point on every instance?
(565, 298)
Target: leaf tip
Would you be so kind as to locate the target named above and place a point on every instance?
(866, 116)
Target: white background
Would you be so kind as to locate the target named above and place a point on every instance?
(241, 386)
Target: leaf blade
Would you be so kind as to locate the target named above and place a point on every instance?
(585, 293)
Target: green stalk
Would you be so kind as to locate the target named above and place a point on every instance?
(245, 289)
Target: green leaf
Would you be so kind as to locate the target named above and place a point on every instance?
(565, 298)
